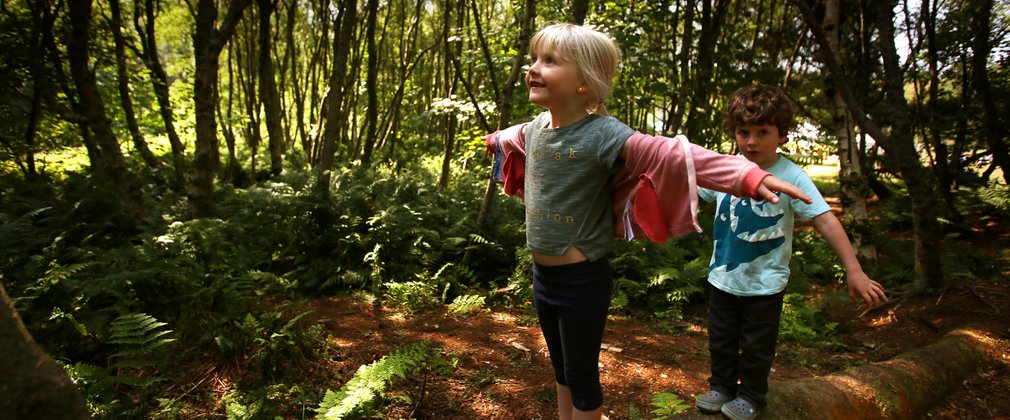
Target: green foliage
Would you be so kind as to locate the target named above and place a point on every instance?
(411, 296)
(142, 340)
(272, 343)
(660, 277)
(465, 304)
(802, 323)
(359, 396)
(997, 196)
(666, 405)
(813, 262)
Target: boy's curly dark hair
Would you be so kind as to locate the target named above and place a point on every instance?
(759, 104)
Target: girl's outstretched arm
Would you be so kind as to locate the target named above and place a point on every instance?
(770, 184)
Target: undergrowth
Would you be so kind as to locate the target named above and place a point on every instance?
(363, 393)
(119, 302)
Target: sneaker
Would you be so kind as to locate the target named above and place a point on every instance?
(739, 409)
(711, 402)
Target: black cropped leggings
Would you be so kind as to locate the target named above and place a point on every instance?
(572, 302)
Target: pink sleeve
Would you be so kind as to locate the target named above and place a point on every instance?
(508, 150)
(729, 174)
(655, 195)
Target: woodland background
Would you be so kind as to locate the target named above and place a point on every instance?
(179, 177)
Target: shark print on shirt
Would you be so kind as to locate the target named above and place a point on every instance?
(753, 230)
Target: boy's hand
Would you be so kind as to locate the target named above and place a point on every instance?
(766, 189)
(860, 286)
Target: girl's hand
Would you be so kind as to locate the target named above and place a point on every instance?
(766, 190)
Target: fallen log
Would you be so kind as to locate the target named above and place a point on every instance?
(904, 387)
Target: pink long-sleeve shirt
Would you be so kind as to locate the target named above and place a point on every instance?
(655, 195)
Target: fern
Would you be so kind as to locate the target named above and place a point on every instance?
(665, 405)
(801, 322)
(996, 195)
(143, 340)
(466, 304)
(411, 296)
(359, 395)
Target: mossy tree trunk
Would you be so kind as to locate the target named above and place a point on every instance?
(34, 386)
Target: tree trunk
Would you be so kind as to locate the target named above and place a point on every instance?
(268, 89)
(904, 157)
(335, 98)
(90, 102)
(208, 41)
(246, 68)
(854, 188)
(372, 113)
(711, 24)
(905, 387)
(901, 153)
(123, 79)
(34, 385)
(449, 77)
(680, 105)
(159, 84)
(579, 10)
(297, 92)
(901, 388)
(994, 132)
(928, 11)
(505, 106)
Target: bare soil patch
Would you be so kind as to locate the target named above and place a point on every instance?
(503, 370)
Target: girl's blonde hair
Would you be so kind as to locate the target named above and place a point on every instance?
(594, 53)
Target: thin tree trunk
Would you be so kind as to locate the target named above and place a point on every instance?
(90, 102)
(159, 84)
(492, 73)
(994, 131)
(208, 41)
(372, 113)
(711, 26)
(680, 110)
(449, 132)
(268, 89)
(245, 51)
(853, 184)
(579, 10)
(391, 119)
(123, 79)
(505, 106)
(899, 143)
(297, 91)
(335, 98)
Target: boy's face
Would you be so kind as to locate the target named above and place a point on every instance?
(553, 82)
(759, 143)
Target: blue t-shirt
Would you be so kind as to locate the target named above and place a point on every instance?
(754, 239)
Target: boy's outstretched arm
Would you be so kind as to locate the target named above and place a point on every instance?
(770, 184)
(860, 285)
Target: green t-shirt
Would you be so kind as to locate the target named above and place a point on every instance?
(567, 186)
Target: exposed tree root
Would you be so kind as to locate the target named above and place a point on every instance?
(904, 387)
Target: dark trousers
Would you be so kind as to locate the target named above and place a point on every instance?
(572, 302)
(742, 333)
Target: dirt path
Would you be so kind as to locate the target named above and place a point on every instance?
(502, 369)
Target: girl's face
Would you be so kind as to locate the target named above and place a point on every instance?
(554, 83)
(759, 143)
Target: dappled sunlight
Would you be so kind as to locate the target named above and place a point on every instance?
(883, 320)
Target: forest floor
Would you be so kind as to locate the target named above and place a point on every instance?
(502, 370)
